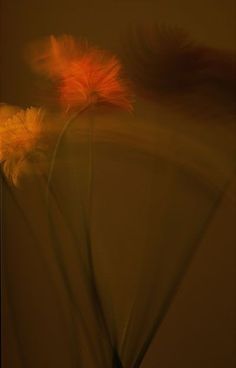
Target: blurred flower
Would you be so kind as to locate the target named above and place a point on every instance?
(51, 56)
(85, 76)
(7, 111)
(19, 140)
(167, 66)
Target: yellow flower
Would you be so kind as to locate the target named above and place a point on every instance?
(7, 111)
(20, 140)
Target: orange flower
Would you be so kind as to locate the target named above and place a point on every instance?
(51, 56)
(19, 139)
(85, 76)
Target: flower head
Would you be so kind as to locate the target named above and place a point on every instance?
(50, 56)
(19, 139)
(168, 67)
(7, 111)
(85, 75)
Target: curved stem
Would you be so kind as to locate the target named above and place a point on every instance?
(116, 359)
(45, 265)
(180, 276)
(58, 142)
(93, 291)
(90, 174)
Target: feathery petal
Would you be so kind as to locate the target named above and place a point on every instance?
(85, 75)
(19, 138)
(51, 55)
(165, 65)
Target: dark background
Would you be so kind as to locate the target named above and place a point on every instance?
(199, 330)
(105, 23)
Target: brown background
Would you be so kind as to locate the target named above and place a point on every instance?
(102, 22)
(199, 330)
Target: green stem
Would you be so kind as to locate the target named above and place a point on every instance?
(90, 174)
(58, 142)
(180, 276)
(96, 301)
(116, 360)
